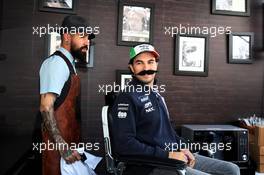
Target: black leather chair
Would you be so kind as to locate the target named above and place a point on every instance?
(118, 165)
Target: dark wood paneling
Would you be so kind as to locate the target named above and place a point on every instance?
(230, 91)
(2, 89)
(3, 57)
(1, 14)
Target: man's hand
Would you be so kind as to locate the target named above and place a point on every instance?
(70, 156)
(189, 155)
(178, 156)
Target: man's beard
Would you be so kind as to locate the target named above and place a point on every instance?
(78, 54)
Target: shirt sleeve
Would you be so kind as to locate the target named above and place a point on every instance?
(53, 74)
(124, 130)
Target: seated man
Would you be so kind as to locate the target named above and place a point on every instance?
(141, 123)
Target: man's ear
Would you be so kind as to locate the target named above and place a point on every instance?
(67, 38)
(131, 68)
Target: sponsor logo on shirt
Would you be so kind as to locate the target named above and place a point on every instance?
(150, 110)
(148, 107)
(144, 98)
(122, 114)
(123, 104)
(122, 107)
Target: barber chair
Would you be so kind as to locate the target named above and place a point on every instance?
(117, 164)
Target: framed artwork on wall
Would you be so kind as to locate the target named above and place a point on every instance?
(123, 77)
(59, 6)
(135, 23)
(89, 62)
(240, 47)
(191, 55)
(231, 7)
(54, 43)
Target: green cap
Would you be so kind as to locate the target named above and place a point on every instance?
(134, 51)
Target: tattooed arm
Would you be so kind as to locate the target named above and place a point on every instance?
(50, 124)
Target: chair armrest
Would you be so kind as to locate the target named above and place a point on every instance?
(153, 161)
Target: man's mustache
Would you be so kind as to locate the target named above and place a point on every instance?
(148, 72)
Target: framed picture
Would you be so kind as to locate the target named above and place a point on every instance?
(60, 6)
(135, 23)
(123, 77)
(54, 43)
(240, 47)
(191, 55)
(231, 7)
(89, 57)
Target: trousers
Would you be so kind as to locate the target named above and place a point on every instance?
(204, 166)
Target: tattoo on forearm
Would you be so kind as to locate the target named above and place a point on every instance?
(50, 124)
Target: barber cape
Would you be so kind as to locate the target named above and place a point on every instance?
(80, 168)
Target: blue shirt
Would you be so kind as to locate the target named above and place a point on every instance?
(54, 72)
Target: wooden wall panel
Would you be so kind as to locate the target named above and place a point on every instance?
(230, 91)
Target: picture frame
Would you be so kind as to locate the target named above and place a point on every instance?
(240, 46)
(123, 77)
(135, 23)
(90, 55)
(231, 7)
(89, 58)
(58, 6)
(53, 43)
(191, 55)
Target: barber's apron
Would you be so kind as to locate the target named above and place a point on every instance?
(66, 109)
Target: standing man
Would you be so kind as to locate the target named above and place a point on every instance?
(59, 91)
(141, 123)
